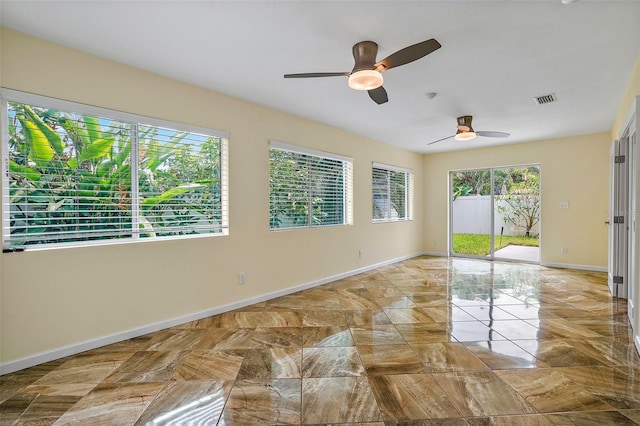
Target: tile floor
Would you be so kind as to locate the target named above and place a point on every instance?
(428, 341)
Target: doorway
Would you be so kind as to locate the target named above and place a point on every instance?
(633, 267)
(495, 213)
(623, 216)
(618, 277)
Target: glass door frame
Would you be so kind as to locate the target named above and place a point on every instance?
(491, 255)
(491, 235)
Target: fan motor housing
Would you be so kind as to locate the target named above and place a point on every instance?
(364, 54)
(464, 124)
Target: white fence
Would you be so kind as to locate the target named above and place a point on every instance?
(472, 215)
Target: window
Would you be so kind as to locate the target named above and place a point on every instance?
(74, 174)
(308, 188)
(392, 193)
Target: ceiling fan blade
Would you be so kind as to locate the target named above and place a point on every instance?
(379, 95)
(493, 134)
(408, 54)
(440, 140)
(318, 74)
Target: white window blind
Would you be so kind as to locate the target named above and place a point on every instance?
(392, 189)
(308, 188)
(74, 174)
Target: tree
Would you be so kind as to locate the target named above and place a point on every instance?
(299, 182)
(520, 204)
(287, 189)
(476, 182)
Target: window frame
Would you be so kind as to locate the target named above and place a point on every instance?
(134, 120)
(347, 188)
(408, 192)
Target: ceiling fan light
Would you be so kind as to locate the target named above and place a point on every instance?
(465, 136)
(365, 80)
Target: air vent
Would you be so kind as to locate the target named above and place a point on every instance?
(545, 99)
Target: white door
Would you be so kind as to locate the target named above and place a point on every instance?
(619, 219)
(612, 207)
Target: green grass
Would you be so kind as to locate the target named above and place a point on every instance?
(480, 244)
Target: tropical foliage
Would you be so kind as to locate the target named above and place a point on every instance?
(74, 177)
(305, 190)
(475, 182)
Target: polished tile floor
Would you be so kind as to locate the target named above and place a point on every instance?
(428, 341)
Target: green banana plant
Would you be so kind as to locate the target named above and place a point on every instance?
(61, 162)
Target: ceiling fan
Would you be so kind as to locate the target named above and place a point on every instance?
(465, 131)
(367, 73)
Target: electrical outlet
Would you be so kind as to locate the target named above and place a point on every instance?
(361, 253)
(242, 278)
(564, 250)
(564, 204)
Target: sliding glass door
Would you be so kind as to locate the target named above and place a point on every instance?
(495, 213)
(471, 212)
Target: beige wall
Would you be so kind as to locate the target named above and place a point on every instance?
(53, 298)
(573, 169)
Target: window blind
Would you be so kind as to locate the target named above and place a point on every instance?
(392, 191)
(308, 188)
(74, 177)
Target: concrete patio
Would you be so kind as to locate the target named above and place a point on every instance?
(524, 253)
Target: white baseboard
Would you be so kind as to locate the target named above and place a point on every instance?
(573, 266)
(46, 356)
(637, 342)
(547, 264)
(435, 253)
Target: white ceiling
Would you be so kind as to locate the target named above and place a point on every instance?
(495, 57)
